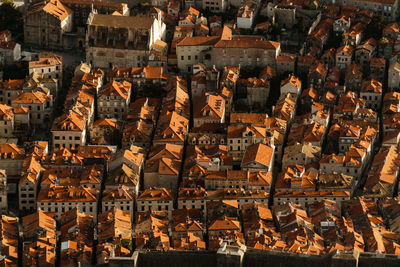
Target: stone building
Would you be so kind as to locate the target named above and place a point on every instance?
(246, 14)
(46, 22)
(285, 64)
(105, 132)
(61, 198)
(113, 99)
(215, 5)
(226, 50)
(155, 199)
(40, 106)
(208, 109)
(285, 15)
(197, 44)
(377, 68)
(10, 51)
(37, 82)
(121, 41)
(371, 92)
(61, 24)
(394, 75)
(257, 92)
(82, 9)
(13, 120)
(69, 131)
(49, 65)
(344, 56)
(28, 184)
(251, 51)
(389, 9)
(10, 89)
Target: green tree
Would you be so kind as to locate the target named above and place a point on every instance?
(383, 42)
(10, 17)
(126, 243)
(309, 7)
(275, 30)
(375, 27)
(141, 8)
(151, 244)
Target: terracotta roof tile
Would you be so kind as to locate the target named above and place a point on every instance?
(259, 153)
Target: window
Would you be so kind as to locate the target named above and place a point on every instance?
(182, 58)
(77, 138)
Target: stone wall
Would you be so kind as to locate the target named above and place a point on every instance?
(253, 258)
